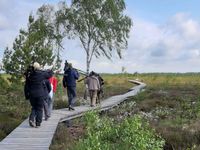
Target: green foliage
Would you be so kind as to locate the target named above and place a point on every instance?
(4, 84)
(11, 99)
(13, 107)
(34, 44)
(165, 105)
(100, 26)
(104, 134)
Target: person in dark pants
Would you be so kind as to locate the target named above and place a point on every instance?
(100, 92)
(69, 81)
(93, 87)
(47, 99)
(35, 91)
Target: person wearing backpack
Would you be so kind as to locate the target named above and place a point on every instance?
(69, 82)
(93, 87)
(100, 92)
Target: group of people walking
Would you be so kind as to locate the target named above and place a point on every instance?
(40, 87)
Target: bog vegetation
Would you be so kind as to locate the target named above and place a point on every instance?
(105, 134)
(169, 105)
(14, 108)
(168, 110)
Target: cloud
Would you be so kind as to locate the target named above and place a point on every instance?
(175, 40)
(182, 36)
(171, 46)
(3, 23)
(159, 50)
(183, 24)
(14, 16)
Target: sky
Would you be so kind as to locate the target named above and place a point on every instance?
(165, 36)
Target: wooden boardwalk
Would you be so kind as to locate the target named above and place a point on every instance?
(26, 138)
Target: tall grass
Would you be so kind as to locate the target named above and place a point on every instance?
(14, 108)
(168, 103)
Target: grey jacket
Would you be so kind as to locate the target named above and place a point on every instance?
(93, 83)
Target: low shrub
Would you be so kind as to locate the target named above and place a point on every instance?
(2, 134)
(104, 134)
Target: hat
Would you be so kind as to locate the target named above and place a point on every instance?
(36, 66)
(70, 65)
(92, 73)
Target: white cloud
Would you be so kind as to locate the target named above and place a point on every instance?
(14, 16)
(171, 46)
(3, 23)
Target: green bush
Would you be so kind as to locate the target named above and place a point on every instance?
(4, 84)
(104, 134)
(2, 134)
(13, 106)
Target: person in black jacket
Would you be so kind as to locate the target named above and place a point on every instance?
(35, 91)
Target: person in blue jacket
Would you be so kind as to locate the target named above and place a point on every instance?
(69, 82)
(36, 91)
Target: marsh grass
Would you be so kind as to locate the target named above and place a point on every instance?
(14, 108)
(67, 137)
(172, 104)
(172, 100)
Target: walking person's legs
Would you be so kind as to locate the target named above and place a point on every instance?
(94, 97)
(70, 97)
(85, 92)
(46, 108)
(50, 105)
(39, 110)
(91, 93)
(33, 113)
(98, 97)
(73, 92)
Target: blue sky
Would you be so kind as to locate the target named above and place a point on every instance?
(159, 10)
(164, 38)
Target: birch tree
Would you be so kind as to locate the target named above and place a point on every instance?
(100, 26)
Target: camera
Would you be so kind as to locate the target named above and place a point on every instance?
(66, 65)
(28, 71)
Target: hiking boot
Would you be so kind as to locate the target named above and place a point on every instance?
(46, 118)
(37, 125)
(71, 108)
(31, 123)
